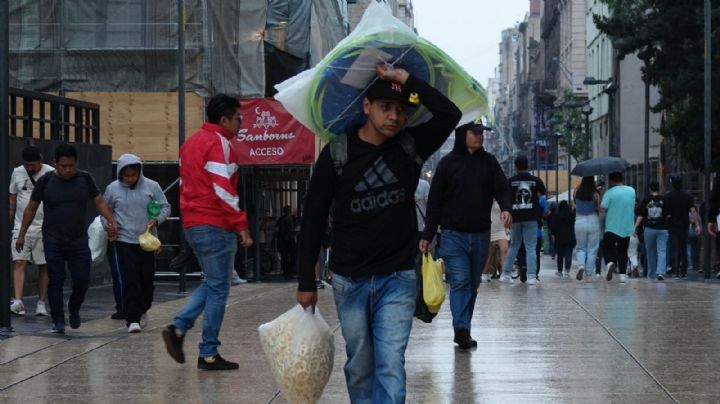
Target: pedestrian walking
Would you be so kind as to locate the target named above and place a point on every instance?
(526, 212)
(498, 244)
(652, 216)
(618, 203)
(64, 193)
(370, 174)
(22, 183)
(286, 242)
(679, 205)
(562, 227)
(131, 197)
(461, 196)
(587, 227)
(212, 221)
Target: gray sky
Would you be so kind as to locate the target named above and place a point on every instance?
(469, 30)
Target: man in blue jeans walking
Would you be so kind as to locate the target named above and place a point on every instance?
(64, 194)
(370, 175)
(461, 198)
(212, 221)
(526, 211)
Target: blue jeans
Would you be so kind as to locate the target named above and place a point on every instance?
(587, 235)
(376, 315)
(215, 250)
(76, 254)
(522, 232)
(464, 255)
(655, 245)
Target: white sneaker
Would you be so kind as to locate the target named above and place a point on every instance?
(623, 278)
(566, 274)
(134, 328)
(17, 307)
(41, 310)
(532, 281)
(143, 320)
(236, 280)
(505, 279)
(485, 278)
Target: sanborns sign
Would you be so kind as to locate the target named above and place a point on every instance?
(270, 135)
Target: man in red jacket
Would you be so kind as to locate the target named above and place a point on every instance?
(212, 220)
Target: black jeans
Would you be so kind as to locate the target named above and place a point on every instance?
(677, 242)
(135, 273)
(564, 254)
(615, 249)
(76, 254)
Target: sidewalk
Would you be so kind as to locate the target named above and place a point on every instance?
(562, 342)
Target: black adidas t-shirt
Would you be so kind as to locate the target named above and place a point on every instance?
(65, 204)
(652, 209)
(374, 222)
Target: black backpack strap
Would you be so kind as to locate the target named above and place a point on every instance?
(407, 142)
(338, 152)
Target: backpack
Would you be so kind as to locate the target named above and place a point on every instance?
(339, 155)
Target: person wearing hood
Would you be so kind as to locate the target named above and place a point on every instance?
(133, 269)
(460, 202)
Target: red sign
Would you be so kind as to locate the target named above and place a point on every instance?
(270, 135)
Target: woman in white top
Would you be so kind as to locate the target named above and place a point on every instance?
(498, 245)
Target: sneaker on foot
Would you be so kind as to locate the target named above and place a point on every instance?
(635, 273)
(134, 328)
(558, 273)
(533, 281)
(58, 328)
(464, 340)
(236, 279)
(143, 320)
(566, 274)
(623, 278)
(505, 279)
(40, 309)
(676, 277)
(660, 277)
(683, 276)
(118, 315)
(74, 319)
(580, 273)
(17, 307)
(216, 363)
(610, 271)
(319, 284)
(174, 342)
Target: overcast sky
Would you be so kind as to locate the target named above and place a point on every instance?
(469, 30)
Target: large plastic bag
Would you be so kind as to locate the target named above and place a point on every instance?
(97, 241)
(148, 241)
(328, 98)
(433, 285)
(301, 348)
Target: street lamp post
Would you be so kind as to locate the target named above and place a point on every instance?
(587, 110)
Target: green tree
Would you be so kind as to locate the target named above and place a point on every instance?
(571, 128)
(671, 33)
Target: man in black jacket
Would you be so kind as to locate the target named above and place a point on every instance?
(374, 230)
(461, 197)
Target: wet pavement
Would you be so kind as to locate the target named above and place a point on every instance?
(561, 342)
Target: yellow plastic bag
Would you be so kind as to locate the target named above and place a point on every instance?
(433, 285)
(148, 241)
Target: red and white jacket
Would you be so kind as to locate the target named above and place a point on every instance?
(209, 177)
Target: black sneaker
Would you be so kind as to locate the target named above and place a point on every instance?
(118, 316)
(676, 277)
(216, 363)
(58, 329)
(683, 276)
(660, 278)
(523, 275)
(173, 343)
(464, 340)
(74, 320)
(319, 284)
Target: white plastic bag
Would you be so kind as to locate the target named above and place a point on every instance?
(300, 348)
(97, 240)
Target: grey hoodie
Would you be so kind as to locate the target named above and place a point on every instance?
(129, 204)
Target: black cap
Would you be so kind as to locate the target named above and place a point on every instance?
(475, 126)
(387, 90)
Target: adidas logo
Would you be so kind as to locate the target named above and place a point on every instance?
(377, 176)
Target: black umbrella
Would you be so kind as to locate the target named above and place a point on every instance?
(600, 166)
